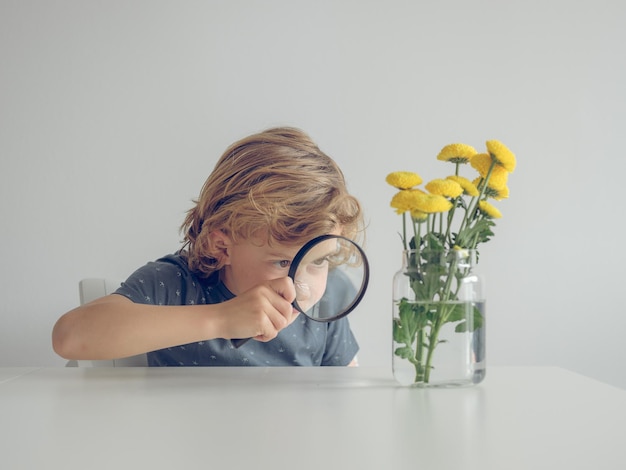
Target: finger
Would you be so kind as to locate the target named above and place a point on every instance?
(284, 287)
(276, 321)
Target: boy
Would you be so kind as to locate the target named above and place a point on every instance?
(267, 196)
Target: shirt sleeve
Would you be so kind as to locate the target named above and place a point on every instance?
(162, 282)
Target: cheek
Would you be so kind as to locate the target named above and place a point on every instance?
(241, 275)
(318, 286)
(251, 275)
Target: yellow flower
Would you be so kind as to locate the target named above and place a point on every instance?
(498, 194)
(501, 155)
(419, 216)
(456, 153)
(403, 179)
(431, 203)
(498, 191)
(469, 188)
(499, 175)
(489, 210)
(445, 187)
(481, 163)
(405, 200)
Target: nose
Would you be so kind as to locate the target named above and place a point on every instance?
(303, 291)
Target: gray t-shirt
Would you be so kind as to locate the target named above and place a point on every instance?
(168, 281)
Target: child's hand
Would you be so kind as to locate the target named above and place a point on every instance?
(260, 312)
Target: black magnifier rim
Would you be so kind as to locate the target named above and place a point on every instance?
(366, 277)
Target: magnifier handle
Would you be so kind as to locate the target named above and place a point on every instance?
(239, 342)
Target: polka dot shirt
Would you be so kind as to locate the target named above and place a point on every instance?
(168, 281)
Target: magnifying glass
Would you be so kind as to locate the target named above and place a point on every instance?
(330, 274)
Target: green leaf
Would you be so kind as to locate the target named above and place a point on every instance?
(474, 234)
(432, 313)
(400, 334)
(472, 322)
(432, 276)
(460, 311)
(404, 352)
(433, 243)
(410, 319)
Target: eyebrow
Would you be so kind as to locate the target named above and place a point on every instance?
(281, 255)
(317, 256)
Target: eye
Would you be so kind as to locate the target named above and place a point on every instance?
(283, 263)
(320, 261)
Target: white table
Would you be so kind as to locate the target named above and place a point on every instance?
(10, 373)
(305, 418)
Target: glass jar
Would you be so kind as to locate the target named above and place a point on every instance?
(438, 319)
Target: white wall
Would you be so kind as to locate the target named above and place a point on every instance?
(113, 113)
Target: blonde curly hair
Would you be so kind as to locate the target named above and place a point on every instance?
(276, 184)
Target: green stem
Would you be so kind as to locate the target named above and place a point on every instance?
(433, 338)
(419, 356)
(417, 229)
(471, 209)
(404, 230)
(450, 218)
(432, 342)
(442, 316)
(444, 295)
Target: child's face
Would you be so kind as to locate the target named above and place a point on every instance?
(250, 262)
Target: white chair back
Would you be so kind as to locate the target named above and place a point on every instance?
(94, 288)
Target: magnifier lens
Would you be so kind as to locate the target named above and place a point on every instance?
(330, 275)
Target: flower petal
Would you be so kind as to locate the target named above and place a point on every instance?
(489, 210)
(456, 153)
(405, 200)
(469, 188)
(403, 179)
(447, 188)
(501, 155)
(432, 203)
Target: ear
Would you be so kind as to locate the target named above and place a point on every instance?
(220, 246)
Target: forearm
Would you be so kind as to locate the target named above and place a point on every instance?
(114, 327)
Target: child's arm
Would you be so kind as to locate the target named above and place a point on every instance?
(113, 326)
